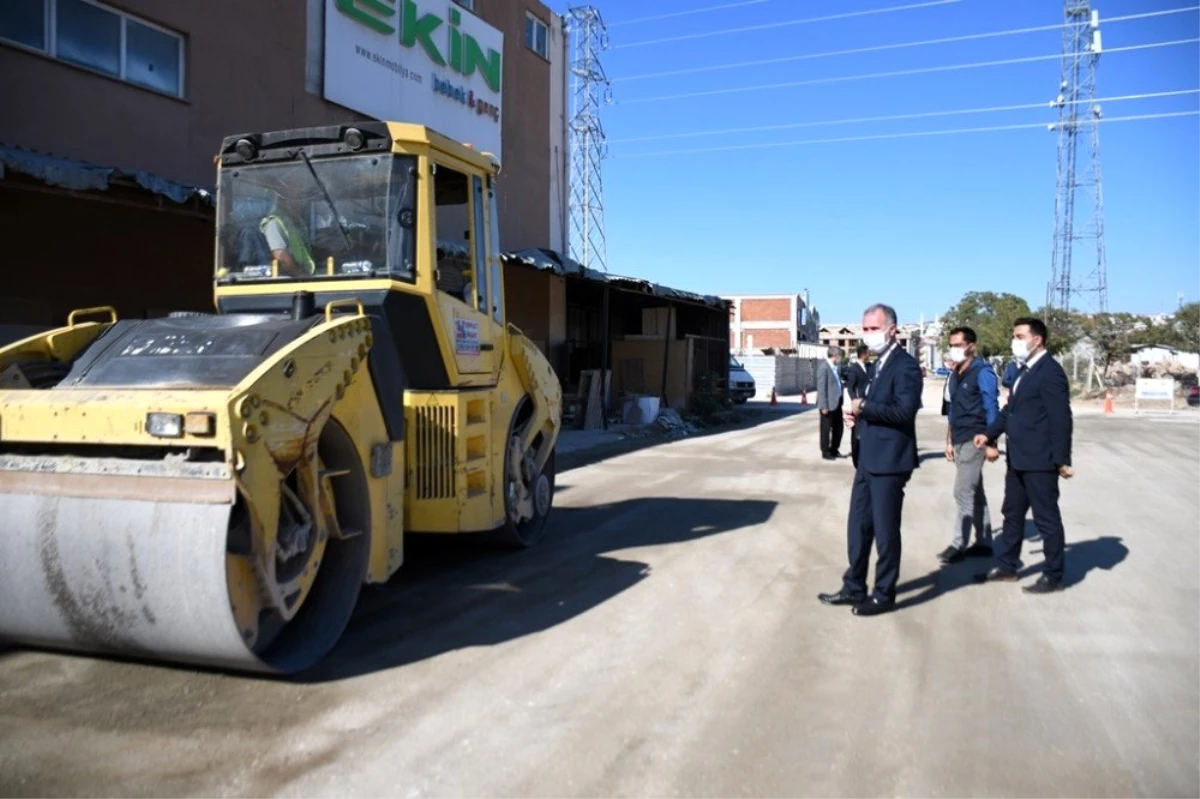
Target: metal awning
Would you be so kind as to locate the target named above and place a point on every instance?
(548, 260)
(75, 175)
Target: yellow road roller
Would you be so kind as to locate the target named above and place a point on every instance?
(215, 488)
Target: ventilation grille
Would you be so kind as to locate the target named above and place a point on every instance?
(435, 452)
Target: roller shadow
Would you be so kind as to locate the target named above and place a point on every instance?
(451, 594)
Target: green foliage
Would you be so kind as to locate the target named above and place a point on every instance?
(708, 402)
(1187, 327)
(991, 316)
(1112, 335)
(1065, 329)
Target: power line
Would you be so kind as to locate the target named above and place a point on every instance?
(885, 136)
(674, 14)
(894, 117)
(898, 46)
(806, 21)
(893, 74)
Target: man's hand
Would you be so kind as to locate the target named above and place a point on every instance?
(993, 454)
(980, 441)
(824, 411)
(856, 406)
(1065, 472)
(950, 452)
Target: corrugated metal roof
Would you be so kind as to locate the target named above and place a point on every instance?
(80, 175)
(548, 260)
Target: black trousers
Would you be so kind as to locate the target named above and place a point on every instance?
(854, 446)
(1037, 490)
(832, 426)
(876, 504)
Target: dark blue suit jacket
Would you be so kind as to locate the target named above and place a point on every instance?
(888, 434)
(1038, 419)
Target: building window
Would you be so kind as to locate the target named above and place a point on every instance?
(97, 37)
(24, 22)
(469, 5)
(535, 35)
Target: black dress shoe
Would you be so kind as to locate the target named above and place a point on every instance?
(873, 607)
(996, 574)
(950, 555)
(842, 597)
(1044, 585)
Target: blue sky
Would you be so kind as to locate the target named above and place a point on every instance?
(915, 222)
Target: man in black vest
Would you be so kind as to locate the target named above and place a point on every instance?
(973, 407)
(1039, 425)
(887, 415)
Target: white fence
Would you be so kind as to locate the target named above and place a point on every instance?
(787, 374)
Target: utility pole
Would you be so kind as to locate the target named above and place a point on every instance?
(590, 90)
(1078, 199)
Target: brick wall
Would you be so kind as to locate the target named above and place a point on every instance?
(766, 311)
(779, 338)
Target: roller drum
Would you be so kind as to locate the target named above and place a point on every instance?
(148, 579)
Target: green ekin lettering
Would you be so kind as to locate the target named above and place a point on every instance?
(351, 9)
(413, 30)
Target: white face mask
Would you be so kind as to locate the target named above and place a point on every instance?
(956, 355)
(876, 341)
(1020, 349)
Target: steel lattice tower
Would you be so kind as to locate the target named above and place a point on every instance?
(1078, 198)
(590, 90)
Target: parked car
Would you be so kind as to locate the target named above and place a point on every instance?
(942, 371)
(1193, 396)
(741, 384)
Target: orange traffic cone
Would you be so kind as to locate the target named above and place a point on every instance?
(1108, 402)
(774, 400)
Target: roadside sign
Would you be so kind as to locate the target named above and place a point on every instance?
(1155, 390)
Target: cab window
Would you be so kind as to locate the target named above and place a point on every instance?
(457, 244)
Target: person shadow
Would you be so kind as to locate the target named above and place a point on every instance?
(1082, 558)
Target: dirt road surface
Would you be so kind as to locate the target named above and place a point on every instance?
(667, 640)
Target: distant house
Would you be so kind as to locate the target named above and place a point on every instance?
(771, 321)
(849, 336)
(1149, 355)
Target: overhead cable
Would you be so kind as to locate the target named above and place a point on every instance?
(885, 136)
(786, 23)
(893, 73)
(882, 47)
(898, 117)
(674, 14)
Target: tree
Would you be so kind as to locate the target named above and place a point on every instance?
(990, 315)
(1065, 329)
(1112, 334)
(1187, 327)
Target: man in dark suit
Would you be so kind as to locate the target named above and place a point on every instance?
(856, 383)
(1039, 425)
(887, 417)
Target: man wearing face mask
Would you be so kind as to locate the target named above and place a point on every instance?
(973, 407)
(886, 417)
(1039, 425)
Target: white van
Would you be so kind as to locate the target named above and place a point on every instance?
(741, 384)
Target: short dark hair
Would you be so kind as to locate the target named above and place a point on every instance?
(861, 350)
(965, 332)
(1036, 326)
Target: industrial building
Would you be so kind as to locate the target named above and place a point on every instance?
(108, 140)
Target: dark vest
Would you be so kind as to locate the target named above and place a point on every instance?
(966, 402)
